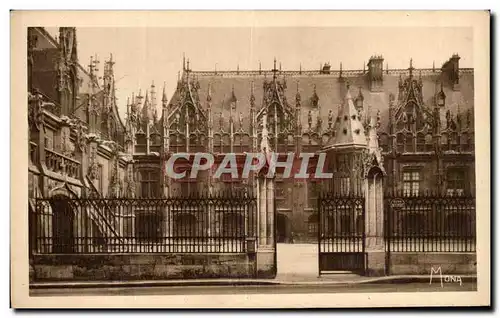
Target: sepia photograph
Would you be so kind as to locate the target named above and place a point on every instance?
(251, 159)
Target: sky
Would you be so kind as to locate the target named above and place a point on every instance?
(146, 55)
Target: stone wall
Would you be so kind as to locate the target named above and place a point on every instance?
(141, 266)
(421, 263)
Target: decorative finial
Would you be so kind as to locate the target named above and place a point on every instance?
(164, 95)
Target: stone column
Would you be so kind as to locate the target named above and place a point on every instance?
(262, 241)
(270, 211)
(266, 253)
(374, 224)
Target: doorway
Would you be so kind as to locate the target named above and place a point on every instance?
(62, 225)
(283, 229)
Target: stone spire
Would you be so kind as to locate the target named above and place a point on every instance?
(349, 131)
(164, 100)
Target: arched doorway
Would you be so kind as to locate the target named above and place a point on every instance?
(283, 229)
(62, 225)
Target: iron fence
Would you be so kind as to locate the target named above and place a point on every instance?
(195, 224)
(430, 222)
(341, 232)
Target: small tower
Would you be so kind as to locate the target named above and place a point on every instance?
(375, 73)
(346, 148)
(451, 70)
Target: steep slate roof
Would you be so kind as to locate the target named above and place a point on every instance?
(45, 72)
(330, 89)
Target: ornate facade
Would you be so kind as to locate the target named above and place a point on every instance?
(423, 120)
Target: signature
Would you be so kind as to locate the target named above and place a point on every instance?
(444, 278)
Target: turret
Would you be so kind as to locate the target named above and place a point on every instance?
(375, 73)
(451, 70)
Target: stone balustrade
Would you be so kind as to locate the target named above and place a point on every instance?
(62, 164)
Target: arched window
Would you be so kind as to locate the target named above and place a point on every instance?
(400, 142)
(150, 183)
(281, 143)
(420, 142)
(217, 143)
(454, 142)
(409, 145)
(464, 142)
(429, 142)
(444, 141)
(312, 224)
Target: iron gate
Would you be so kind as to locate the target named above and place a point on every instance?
(341, 233)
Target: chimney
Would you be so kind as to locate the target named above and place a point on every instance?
(326, 69)
(375, 73)
(451, 71)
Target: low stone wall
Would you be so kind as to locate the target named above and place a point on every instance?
(141, 266)
(421, 263)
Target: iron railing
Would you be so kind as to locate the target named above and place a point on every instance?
(196, 224)
(341, 232)
(430, 222)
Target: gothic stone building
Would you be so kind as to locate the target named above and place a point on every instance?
(423, 118)
(80, 147)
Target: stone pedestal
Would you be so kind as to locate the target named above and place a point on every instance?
(266, 262)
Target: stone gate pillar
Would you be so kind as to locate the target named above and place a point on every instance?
(374, 223)
(266, 247)
(374, 206)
